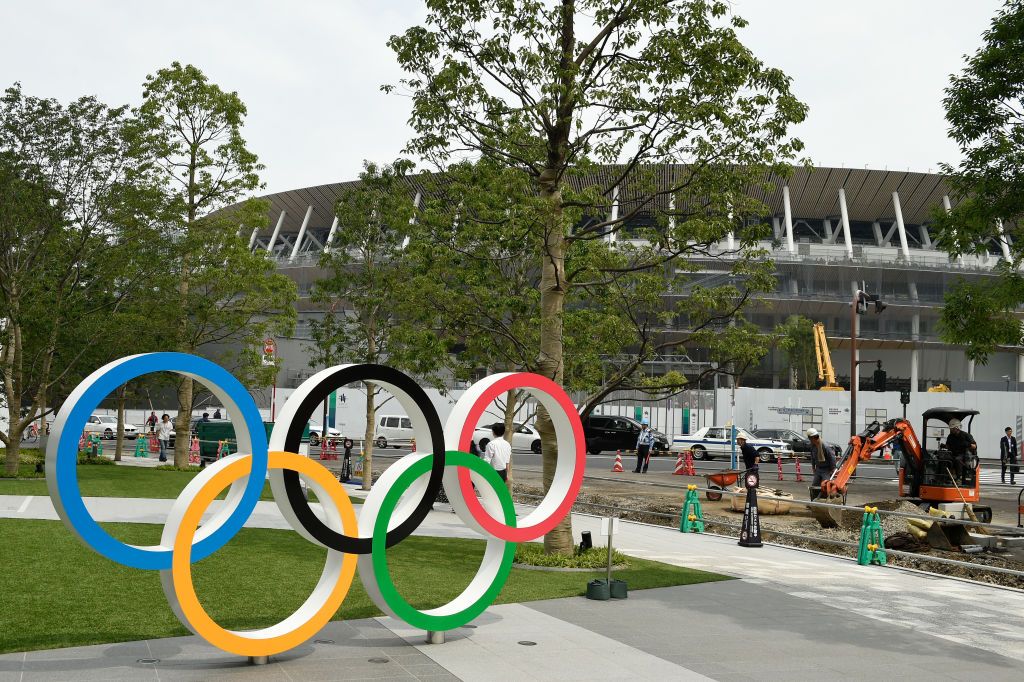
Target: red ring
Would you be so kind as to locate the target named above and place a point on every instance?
(490, 524)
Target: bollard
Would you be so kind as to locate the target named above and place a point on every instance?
(435, 637)
(750, 532)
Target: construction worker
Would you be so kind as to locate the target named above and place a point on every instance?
(960, 444)
(822, 459)
(750, 458)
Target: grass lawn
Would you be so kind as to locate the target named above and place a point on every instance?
(117, 481)
(55, 592)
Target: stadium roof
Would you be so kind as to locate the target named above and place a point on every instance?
(813, 192)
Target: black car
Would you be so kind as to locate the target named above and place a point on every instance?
(605, 432)
(799, 443)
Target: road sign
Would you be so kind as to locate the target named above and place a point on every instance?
(269, 351)
(609, 526)
(806, 411)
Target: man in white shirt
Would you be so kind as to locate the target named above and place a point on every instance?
(498, 451)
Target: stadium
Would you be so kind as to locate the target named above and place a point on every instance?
(833, 230)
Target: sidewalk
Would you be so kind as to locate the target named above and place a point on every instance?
(815, 609)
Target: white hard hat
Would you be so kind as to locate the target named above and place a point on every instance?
(954, 423)
(811, 433)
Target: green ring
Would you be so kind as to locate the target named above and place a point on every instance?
(402, 608)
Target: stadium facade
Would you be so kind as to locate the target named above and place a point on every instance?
(833, 230)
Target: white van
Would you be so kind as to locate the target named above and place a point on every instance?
(392, 430)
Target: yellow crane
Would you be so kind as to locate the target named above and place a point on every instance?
(826, 372)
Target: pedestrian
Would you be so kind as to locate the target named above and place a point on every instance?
(644, 442)
(960, 444)
(498, 451)
(473, 449)
(216, 413)
(206, 417)
(1008, 455)
(164, 435)
(823, 460)
(152, 420)
(750, 456)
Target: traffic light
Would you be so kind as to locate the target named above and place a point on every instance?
(904, 396)
(880, 380)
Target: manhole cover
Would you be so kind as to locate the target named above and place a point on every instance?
(526, 642)
(323, 641)
(380, 660)
(148, 661)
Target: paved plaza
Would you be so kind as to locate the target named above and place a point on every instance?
(790, 615)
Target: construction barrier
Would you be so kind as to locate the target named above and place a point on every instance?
(779, 460)
(691, 518)
(193, 451)
(872, 544)
(617, 467)
(329, 449)
(140, 447)
(796, 463)
(223, 449)
(154, 443)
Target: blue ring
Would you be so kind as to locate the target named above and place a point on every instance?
(66, 479)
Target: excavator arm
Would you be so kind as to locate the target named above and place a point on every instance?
(875, 437)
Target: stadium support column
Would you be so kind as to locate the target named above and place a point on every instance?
(900, 226)
(330, 234)
(277, 231)
(970, 369)
(948, 207)
(612, 232)
(915, 353)
(252, 237)
(1020, 368)
(302, 234)
(1003, 244)
(788, 212)
(846, 223)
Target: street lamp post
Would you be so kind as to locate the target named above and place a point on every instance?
(858, 307)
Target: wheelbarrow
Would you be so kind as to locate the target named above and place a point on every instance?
(720, 480)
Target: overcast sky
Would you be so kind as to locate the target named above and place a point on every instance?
(309, 71)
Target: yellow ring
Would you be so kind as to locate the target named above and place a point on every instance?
(243, 643)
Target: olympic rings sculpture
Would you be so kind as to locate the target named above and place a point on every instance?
(395, 506)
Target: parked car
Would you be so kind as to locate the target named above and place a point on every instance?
(316, 433)
(393, 429)
(525, 437)
(714, 441)
(106, 426)
(797, 442)
(607, 432)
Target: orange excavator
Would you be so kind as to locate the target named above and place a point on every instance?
(926, 477)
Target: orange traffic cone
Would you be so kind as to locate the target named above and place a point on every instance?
(680, 466)
(617, 467)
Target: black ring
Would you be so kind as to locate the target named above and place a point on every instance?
(297, 499)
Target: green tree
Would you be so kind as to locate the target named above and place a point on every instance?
(368, 292)
(217, 293)
(549, 89)
(796, 338)
(75, 223)
(985, 110)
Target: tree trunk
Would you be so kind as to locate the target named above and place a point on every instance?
(371, 417)
(122, 394)
(183, 422)
(13, 454)
(553, 287)
(511, 400)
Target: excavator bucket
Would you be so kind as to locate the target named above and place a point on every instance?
(829, 517)
(948, 536)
